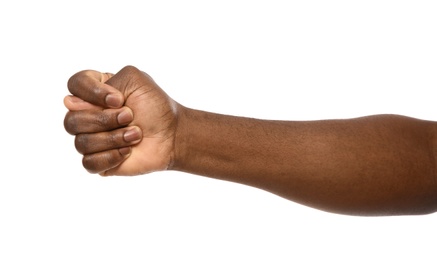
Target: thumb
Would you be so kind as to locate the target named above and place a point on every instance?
(74, 103)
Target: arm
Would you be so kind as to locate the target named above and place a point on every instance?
(376, 165)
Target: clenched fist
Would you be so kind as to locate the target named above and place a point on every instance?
(124, 123)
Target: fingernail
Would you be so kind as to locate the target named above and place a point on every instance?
(132, 135)
(124, 151)
(113, 100)
(125, 117)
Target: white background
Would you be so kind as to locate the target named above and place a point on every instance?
(290, 60)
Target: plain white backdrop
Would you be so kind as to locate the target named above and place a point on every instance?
(289, 60)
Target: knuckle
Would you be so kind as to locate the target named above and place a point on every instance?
(113, 140)
(133, 74)
(70, 123)
(99, 162)
(98, 91)
(83, 84)
(89, 163)
(75, 81)
(72, 82)
(104, 120)
(81, 143)
(131, 70)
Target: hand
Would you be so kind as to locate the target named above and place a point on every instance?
(103, 131)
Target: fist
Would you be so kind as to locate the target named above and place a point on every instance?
(124, 124)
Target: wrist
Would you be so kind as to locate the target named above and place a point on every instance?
(180, 137)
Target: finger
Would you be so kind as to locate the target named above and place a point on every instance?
(103, 141)
(90, 86)
(103, 161)
(74, 103)
(97, 120)
(105, 76)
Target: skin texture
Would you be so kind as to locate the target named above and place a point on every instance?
(370, 166)
(103, 138)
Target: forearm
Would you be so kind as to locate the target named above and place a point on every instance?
(379, 165)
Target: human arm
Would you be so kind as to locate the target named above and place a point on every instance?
(376, 165)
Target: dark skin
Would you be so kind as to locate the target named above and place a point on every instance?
(378, 165)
